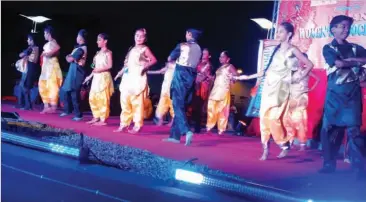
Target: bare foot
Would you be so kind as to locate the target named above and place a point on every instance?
(99, 123)
(172, 140)
(264, 155)
(92, 121)
(44, 111)
(283, 154)
(120, 129)
(134, 130)
(189, 137)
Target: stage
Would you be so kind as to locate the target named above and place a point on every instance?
(231, 154)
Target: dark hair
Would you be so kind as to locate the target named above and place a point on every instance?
(144, 31)
(195, 33)
(289, 28)
(83, 34)
(104, 36)
(338, 19)
(206, 49)
(31, 36)
(49, 30)
(226, 53)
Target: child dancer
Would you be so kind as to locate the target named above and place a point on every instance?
(218, 106)
(296, 118)
(102, 85)
(276, 90)
(29, 68)
(165, 103)
(75, 77)
(187, 56)
(343, 102)
(133, 86)
(50, 79)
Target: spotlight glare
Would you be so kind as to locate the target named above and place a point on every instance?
(264, 23)
(188, 176)
(37, 19)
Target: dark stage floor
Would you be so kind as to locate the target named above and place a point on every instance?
(232, 154)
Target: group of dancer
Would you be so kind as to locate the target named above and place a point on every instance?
(187, 77)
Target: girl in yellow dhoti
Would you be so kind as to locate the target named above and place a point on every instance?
(165, 103)
(218, 106)
(133, 86)
(276, 90)
(295, 119)
(102, 85)
(51, 76)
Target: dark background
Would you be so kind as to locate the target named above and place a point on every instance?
(226, 26)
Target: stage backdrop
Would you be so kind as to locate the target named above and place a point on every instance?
(311, 20)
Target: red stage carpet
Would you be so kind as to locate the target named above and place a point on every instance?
(232, 154)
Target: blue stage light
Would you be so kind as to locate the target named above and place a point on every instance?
(36, 144)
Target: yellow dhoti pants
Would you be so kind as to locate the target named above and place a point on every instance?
(100, 104)
(132, 109)
(218, 112)
(148, 109)
(100, 95)
(49, 89)
(295, 122)
(272, 124)
(165, 104)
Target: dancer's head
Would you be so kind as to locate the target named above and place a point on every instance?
(140, 36)
(30, 40)
(224, 57)
(206, 54)
(285, 32)
(102, 40)
(81, 38)
(48, 33)
(340, 26)
(192, 34)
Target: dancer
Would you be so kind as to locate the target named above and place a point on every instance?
(102, 85)
(218, 106)
(75, 77)
(343, 102)
(276, 89)
(51, 75)
(29, 68)
(295, 119)
(187, 56)
(202, 88)
(133, 86)
(165, 103)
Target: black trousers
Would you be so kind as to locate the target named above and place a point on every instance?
(72, 101)
(181, 91)
(331, 139)
(24, 100)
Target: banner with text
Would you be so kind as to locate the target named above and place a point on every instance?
(311, 20)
